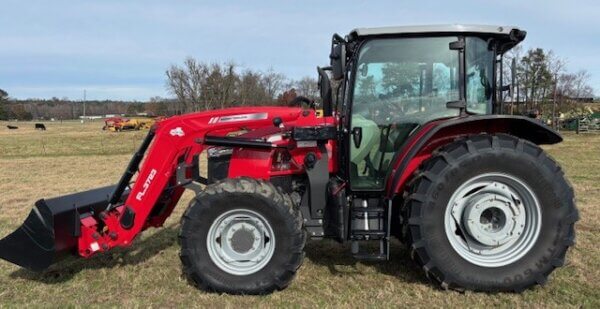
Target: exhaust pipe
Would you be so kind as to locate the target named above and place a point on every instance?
(53, 227)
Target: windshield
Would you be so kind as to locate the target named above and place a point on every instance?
(399, 85)
(406, 80)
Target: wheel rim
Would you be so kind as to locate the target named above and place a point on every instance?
(493, 220)
(240, 242)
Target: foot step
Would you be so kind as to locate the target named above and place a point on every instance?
(367, 235)
(381, 255)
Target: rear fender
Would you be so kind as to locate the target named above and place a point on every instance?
(438, 133)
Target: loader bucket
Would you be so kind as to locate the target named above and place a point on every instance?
(52, 228)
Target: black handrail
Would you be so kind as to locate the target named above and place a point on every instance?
(229, 141)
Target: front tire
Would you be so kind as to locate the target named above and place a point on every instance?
(489, 213)
(241, 236)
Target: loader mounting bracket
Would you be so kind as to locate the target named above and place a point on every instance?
(193, 182)
(127, 218)
(320, 133)
(318, 177)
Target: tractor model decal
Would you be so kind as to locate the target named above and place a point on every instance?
(146, 185)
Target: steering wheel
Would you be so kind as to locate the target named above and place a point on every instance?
(299, 100)
(381, 111)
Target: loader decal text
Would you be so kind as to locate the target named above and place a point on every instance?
(146, 185)
(240, 117)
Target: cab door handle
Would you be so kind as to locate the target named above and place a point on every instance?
(357, 136)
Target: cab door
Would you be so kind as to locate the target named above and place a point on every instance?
(398, 85)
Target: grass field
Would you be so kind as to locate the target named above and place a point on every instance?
(71, 157)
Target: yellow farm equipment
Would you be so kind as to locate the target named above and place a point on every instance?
(116, 124)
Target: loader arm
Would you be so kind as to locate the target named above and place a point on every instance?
(176, 144)
(165, 164)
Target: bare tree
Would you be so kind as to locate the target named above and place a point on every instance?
(250, 90)
(196, 75)
(556, 66)
(308, 87)
(201, 86)
(178, 83)
(219, 85)
(582, 87)
(273, 83)
(575, 85)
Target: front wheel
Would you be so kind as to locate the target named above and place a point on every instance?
(241, 236)
(490, 213)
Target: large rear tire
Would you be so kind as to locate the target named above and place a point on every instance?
(241, 236)
(489, 213)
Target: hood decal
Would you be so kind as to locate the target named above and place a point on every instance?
(240, 117)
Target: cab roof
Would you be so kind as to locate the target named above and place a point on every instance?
(508, 35)
(426, 29)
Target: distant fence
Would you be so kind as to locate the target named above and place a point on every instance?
(581, 124)
(588, 125)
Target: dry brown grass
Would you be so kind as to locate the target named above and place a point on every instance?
(80, 157)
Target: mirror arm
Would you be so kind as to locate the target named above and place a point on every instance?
(338, 38)
(501, 101)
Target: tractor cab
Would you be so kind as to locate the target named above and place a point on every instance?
(388, 83)
(393, 80)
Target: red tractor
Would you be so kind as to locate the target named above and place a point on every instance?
(411, 144)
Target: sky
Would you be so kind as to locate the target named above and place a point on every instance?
(121, 49)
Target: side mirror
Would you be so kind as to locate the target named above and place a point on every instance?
(357, 136)
(325, 91)
(338, 57)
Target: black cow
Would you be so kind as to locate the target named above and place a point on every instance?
(12, 127)
(40, 126)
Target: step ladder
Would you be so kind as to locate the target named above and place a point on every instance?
(370, 222)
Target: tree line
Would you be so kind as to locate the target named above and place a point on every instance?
(543, 83)
(541, 78)
(62, 109)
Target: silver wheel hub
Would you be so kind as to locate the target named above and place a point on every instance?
(493, 219)
(240, 242)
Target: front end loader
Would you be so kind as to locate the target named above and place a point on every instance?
(407, 141)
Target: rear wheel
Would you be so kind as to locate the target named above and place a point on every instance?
(489, 213)
(241, 236)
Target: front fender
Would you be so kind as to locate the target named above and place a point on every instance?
(440, 132)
